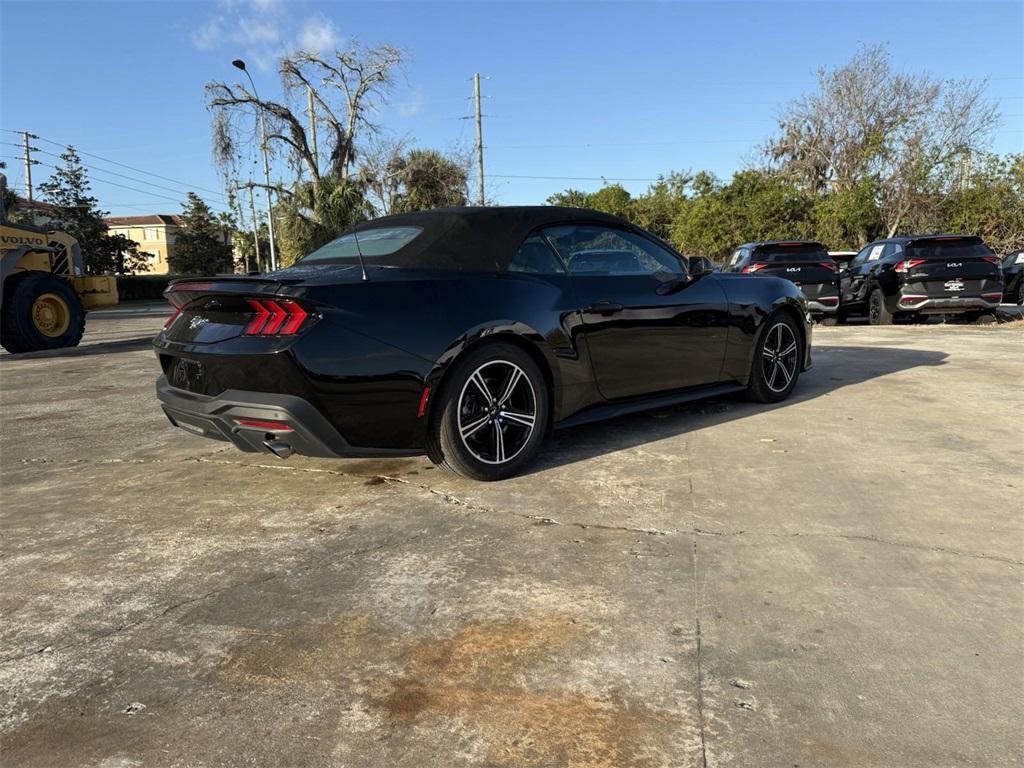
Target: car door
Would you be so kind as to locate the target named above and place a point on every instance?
(648, 327)
(853, 278)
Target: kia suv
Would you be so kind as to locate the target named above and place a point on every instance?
(805, 263)
(912, 277)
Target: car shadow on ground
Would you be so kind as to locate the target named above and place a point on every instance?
(834, 368)
(98, 348)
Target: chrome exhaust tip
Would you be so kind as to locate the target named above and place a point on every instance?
(279, 448)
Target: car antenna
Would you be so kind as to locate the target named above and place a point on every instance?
(362, 264)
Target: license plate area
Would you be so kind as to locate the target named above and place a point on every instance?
(186, 374)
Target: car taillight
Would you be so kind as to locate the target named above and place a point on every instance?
(908, 264)
(993, 260)
(174, 316)
(753, 268)
(829, 265)
(275, 317)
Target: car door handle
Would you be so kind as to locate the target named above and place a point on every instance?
(604, 308)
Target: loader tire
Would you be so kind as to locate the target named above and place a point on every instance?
(40, 312)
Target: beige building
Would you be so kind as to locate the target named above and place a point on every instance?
(155, 235)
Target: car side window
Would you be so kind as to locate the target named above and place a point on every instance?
(597, 250)
(536, 257)
(737, 257)
(861, 257)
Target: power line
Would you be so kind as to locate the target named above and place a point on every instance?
(125, 165)
(129, 178)
(568, 178)
(133, 189)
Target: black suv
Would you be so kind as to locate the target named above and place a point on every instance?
(910, 277)
(1013, 278)
(802, 262)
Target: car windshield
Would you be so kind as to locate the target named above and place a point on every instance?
(948, 249)
(382, 241)
(791, 252)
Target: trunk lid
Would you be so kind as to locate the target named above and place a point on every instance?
(950, 267)
(806, 264)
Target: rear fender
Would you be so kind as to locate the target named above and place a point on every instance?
(514, 332)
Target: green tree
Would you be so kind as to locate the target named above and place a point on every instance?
(657, 208)
(429, 179)
(754, 206)
(991, 206)
(569, 198)
(79, 215)
(315, 214)
(202, 246)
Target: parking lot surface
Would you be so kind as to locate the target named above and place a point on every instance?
(831, 581)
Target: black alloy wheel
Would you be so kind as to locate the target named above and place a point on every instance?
(492, 414)
(777, 361)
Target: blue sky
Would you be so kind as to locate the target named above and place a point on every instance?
(573, 89)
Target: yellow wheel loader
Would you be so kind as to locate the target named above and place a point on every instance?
(44, 294)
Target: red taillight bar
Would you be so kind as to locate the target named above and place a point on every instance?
(993, 260)
(270, 426)
(827, 299)
(174, 316)
(272, 317)
(753, 268)
(831, 266)
(908, 264)
(913, 298)
(997, 294)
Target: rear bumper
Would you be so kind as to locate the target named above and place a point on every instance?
(819, 308)
(308, 432)
(926, 305)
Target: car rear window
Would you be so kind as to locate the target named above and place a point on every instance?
(791, 252)
(382, 241)
(948, 249)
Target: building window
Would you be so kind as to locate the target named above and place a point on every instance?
(150, 234)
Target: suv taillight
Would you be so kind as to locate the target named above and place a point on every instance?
(829, 265)
(753, 267)
(275, 317)
(908, 264)
(993, 260)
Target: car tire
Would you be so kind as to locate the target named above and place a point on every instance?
(492, 414)
(778, 359)
(878, 313)
(1020, 294)
(41, 312)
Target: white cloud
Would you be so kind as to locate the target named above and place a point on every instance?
(413, 104)
(208, 34)
(318, 34)
(262, 31)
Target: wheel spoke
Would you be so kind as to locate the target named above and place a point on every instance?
(788, 350)
(785, 373)
(482, 386)
(513, 380)
(499, 444)
(474, 426)
(522, 419)
(767, 352)
(771, 379)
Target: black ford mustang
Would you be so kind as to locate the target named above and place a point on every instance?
(469, 334)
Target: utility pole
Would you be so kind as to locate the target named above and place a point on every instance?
(29, 162)
(479, 136)
(312, 126)
(255, 227)
(239, 64)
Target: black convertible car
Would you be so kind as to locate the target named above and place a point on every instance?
(469, 334)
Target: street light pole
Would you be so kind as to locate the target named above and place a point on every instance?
(239, 64)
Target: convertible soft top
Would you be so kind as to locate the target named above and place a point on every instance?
(475, 239)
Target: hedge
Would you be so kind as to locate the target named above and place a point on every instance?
(135, 287)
